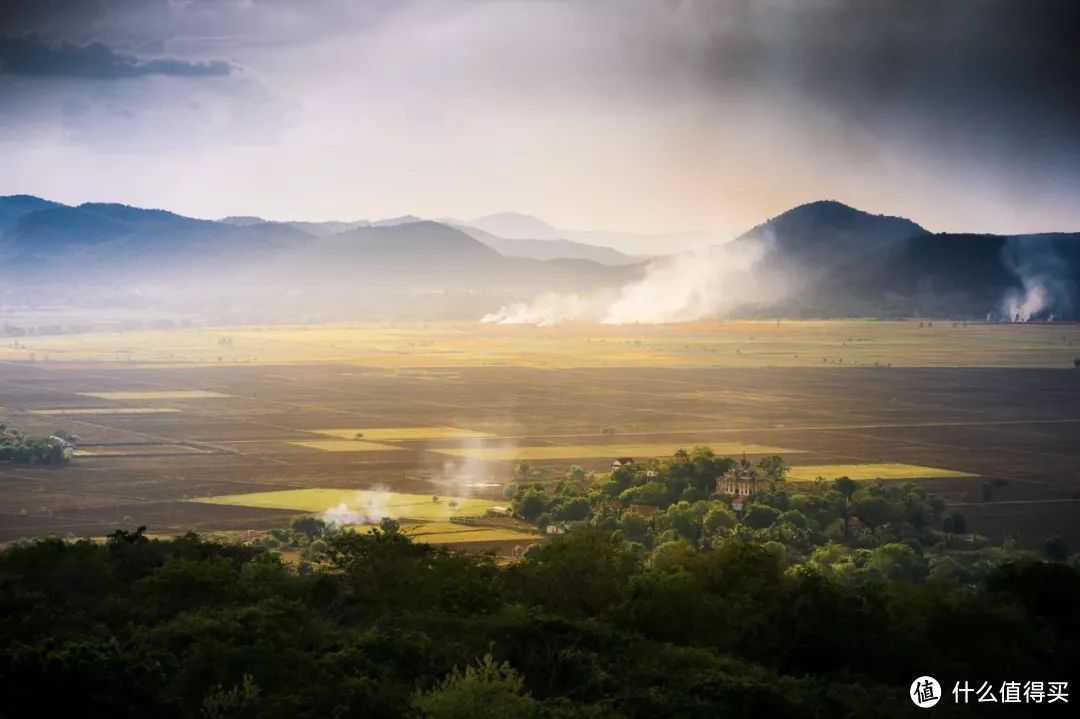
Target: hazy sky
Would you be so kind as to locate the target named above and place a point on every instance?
(628, 115)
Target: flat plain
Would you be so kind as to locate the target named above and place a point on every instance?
(168, 417)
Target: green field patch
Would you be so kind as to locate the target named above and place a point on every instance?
(343, 445)
(607, 450)
(157, 394)
(65, 411)
(810, 472)
(379, 434)
(370, 503)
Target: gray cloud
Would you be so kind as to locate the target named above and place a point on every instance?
(30, 55)
(991, 71)
(698, 113)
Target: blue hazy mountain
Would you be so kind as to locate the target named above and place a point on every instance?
(12, 207)
(835, 260)
(548, 249)
(103, 254)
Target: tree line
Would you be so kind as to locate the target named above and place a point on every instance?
(815, 599)
(588, 624)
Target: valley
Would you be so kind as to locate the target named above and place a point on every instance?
(165, 426)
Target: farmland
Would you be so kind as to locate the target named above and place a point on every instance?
(173, 428)
(391, 433)
(398, 505)
(156, 394)
(103, 410)
(593, 451)
(894, 470)
(434, 350)
(452, 533)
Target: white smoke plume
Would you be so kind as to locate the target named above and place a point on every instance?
(1044, 277)
(690, 286)
(1022, 306)
(368, 508)
(470, 476)
(464, 477)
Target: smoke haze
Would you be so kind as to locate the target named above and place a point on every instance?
(369, 507)
(689, 286)
(1047, 283)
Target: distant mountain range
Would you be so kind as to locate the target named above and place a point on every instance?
(515, 226)
(548, 249)
(518, 226)
(544, 242)
(111, 254)
(32, 228)
(830, 260)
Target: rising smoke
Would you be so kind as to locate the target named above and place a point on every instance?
(368, 508)
(460, 479)
(707, 283)
(1046, 286)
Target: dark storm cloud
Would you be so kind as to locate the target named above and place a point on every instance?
(962, 113)
(48, 16)
(991, 70)
(30, 55)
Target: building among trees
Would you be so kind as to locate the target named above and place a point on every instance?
(740, 482)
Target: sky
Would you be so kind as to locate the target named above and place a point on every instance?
(630, 115)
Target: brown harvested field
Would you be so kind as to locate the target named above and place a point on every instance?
(270, 429)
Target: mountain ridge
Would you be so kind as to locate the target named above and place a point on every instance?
(833, 259)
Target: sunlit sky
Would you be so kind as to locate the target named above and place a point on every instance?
(630, 115)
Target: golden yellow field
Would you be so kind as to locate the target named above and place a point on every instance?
(403, 348)
(374, 504)
(343, 445)
(139, 450)
(605, 450)
(452, 533)
(102, 410)
(159, 394)
(806, 473)
(403, 433)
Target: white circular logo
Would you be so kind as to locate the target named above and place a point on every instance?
(925, 692)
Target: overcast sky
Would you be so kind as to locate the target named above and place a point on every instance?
(632, 115)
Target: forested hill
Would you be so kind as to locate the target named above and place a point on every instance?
(825, 233)
(838, 261)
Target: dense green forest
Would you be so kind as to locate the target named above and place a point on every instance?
(847, 530)
(655, 597)
(587, 624)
